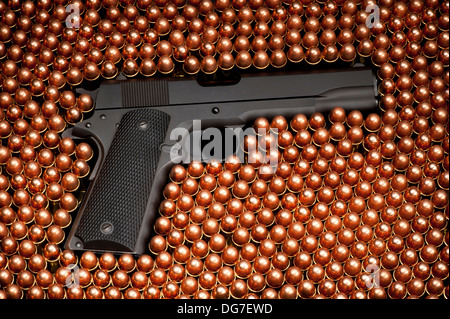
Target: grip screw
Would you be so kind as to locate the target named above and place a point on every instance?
(106, 228)
(143, 125)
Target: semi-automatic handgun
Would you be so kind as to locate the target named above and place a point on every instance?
(132, 124)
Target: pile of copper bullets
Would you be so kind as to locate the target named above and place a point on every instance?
(357, 206)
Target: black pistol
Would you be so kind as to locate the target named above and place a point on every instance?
(132, 128)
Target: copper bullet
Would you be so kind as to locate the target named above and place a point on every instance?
(189, 285)
(120, 279)
(91, 71)
(74, 76)
(13, 291)
(130, 67)
(35, 292)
